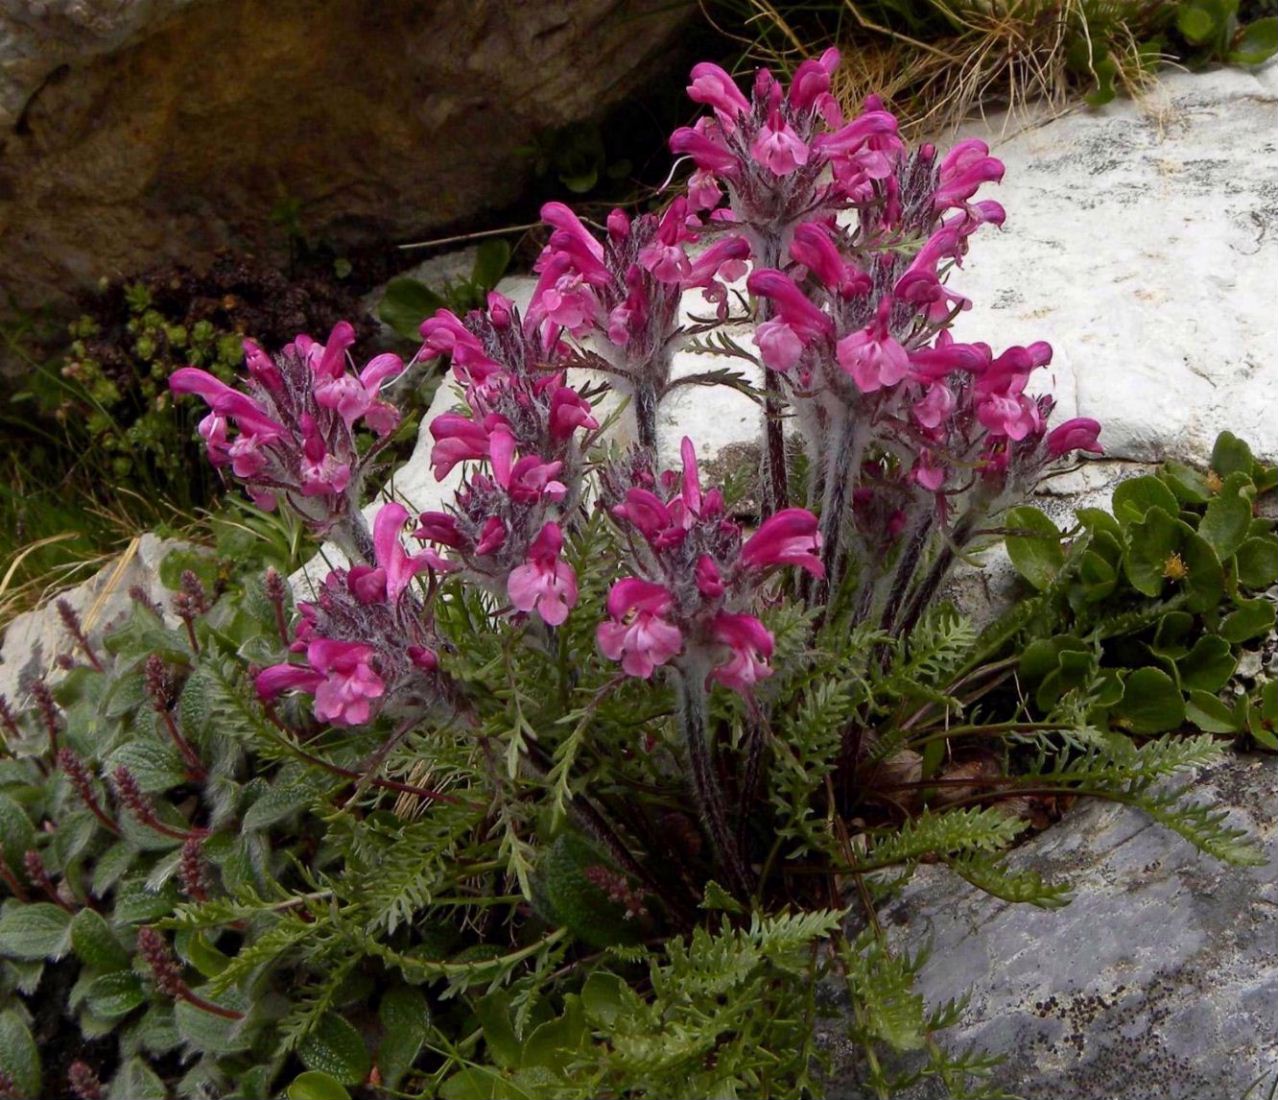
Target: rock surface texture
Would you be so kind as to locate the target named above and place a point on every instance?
(1158, 982)
(33, 640)
(135, 132)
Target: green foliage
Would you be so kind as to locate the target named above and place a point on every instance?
(1149, 613)
(408, 302)
(519, 901)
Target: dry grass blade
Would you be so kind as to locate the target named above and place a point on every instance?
(1026, 56)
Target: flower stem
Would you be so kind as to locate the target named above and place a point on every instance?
(710, 801)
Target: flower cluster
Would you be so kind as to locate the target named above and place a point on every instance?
(620, 296)
(506, 525)
(854, 237)
(782, 157)
(698, 577)
(365, 642)
(295, 427)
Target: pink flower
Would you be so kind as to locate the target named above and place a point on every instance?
(966, 166)
(350, 684)
(353, 397)
(708, 153)
(638, 635)
(811, 84)
(646, 511)
(327, 360)
(544, 583)
(248, 415)
(1079, 434)
(813, 248)
(778, 147)
(715, 88)
(792, 305)
(709, 581)
(788, 537)
(457, 439)
(439, 527)
(871, 357)
(568, 412)
(928, 473)
(779, 345)
(396, 565)
(937, 406)
(749, 644)
(321, 472)
(274, 681)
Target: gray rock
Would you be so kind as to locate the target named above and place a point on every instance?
(137, 132)
(1158, 982)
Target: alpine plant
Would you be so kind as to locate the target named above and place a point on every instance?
(834, 243)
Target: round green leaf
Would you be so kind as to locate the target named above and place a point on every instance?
(405, 1019)
(1209, 714)
(1151, 702)
(95, 944)
(1154, 538)
(336, 1048)
(1231, 455)
(1251, 619)
(1224, 524)
(39, 930)
(1205, 584)
(1256, 43)
(1208, 666)
(209, 1032)
(1034, 545)
(17, 834)
(19, 1057)
(1135, 497)
(1257, 561)
(316, 1085)
(114, 995)
(135, 1080)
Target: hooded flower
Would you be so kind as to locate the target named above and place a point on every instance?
(544, 583)
(637, 635)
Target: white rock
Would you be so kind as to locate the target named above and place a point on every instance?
(33, 640)
(1142, 243)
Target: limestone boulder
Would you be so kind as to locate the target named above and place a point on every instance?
(1158, 981)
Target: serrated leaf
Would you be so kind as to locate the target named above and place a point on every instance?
(209, 1032)
(37, 930)
(277, 803)
(154, 764)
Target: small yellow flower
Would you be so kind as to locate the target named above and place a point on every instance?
(1175, 569)
(1214, 482)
